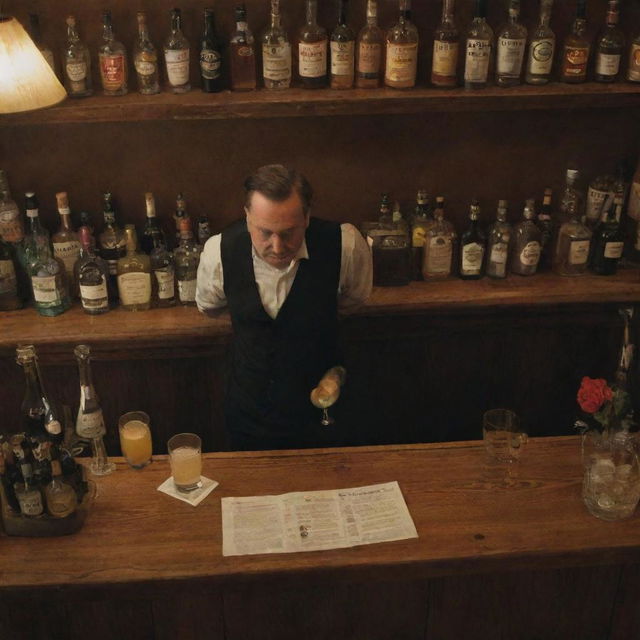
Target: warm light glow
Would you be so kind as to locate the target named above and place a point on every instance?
(26, 79)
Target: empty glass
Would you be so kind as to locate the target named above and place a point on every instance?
(503, 436)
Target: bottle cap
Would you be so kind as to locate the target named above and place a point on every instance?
(62, 201)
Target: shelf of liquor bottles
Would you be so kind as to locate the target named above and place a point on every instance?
(298, 102)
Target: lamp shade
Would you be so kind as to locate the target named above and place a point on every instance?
(26, 79)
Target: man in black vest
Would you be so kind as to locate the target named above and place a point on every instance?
(283, 275)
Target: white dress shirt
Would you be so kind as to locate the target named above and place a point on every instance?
(356, 275)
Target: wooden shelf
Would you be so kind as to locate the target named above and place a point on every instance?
(296, 102)
(185, 327)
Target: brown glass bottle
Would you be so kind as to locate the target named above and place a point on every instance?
(575, 53)
(312, 50)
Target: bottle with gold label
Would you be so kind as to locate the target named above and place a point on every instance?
(76, 63)
(242, 54)
(420, 222)
(402, 51)
(342, 49)
(541, 47)
(575, 53)
(369, 50)
(312, 50)
(113, 60)
(445, 49)
(134, 275)
(60, 496)
(145, 59)
(473, 244)
(633, 67)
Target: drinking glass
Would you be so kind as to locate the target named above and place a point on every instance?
(185, 457)
(503, 436)
(135, 438)
(327, 392)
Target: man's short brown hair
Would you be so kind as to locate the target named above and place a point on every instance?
(277, 183)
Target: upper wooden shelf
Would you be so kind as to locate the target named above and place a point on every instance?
(197, 105)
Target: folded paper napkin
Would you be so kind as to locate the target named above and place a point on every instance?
(194, 497)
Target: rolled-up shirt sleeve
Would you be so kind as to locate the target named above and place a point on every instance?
(210, 295)
(356, 270)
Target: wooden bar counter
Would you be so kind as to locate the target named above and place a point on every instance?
(496, 557)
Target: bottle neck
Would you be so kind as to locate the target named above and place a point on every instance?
(209, 26)
(275, 15)
(176, 24)
(372, 13)
(143, 32)
(447, 10)
(65, 219)
(33, 391)
(72, 34)
(481, 10)
(84, 371)
(107, 30)
(312, 12)
(342, 13)
(612, 17)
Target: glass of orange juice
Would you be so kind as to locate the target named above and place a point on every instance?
(135, 438)
(185, 457)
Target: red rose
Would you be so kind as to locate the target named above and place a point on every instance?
(593, 393)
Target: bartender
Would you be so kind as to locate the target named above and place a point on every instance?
(284, 276)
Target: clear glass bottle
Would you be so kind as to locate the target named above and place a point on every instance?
(11, 225)
(384, 216)
(445, 49)
(49, 284)
(276, 52)
(420, 221)
(572, 247)
(163, 270)
(369, 46)
(28, 493)
(112, 242)
(134, 275)
(438, 246)
(36, 36)
(152, 232)
(66, 245)
(76, 63)
(92, 274)
(608, 239)
(181, 212)
(402, 51)
(527, 243)
(203, 232)
(242, 54)
(479, 45)
(342, 49)
(9, 298)
(61, 497)
(575, 52)
(547, 227)
(145, 59)
(633, 66)
(90, 425)
(597, 194)
(572, 194)
(609, 46)
(541, 48)
(113, 60)
(211, 47)
(511, 45)
(397, 220)
(473, 244)
(176, 56)
(187, 258)
(499, 241)
(312, 50)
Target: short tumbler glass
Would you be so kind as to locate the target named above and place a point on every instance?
(503, 436)
(185, 457)
(135, 438)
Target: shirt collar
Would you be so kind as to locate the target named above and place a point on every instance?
(301, 254)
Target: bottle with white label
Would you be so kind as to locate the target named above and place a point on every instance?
(76, 63)
(176, 56)
(276, 52)
(541, 48)
(402, 51)
(312, 50)
(633, 66)
(438, 248)
(92, 274)
(473, 243)
(49, 284)
(478, 48)
(11, 226)
(163, 275)
(145, 59)
(499, 243)
(369, 48)
(28, 494)
(597, 196)
(445, 49)
(609, 47)
(134, 275)
(608, 239)
(342, 50)
(527, 243)
(66, 245)
(571, 254)
(9, 299)
(511, 44)
(187, 258)
(113, 60)
(37, 236)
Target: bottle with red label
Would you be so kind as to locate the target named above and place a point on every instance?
(575, 53)
(113, 60)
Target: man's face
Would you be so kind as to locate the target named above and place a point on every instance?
(277, 228)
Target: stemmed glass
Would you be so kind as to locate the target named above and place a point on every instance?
(327, 392)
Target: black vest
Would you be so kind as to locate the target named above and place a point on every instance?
(275, 363)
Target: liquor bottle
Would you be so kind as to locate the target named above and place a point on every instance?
(511, 42)
(402, 51)
(36, 36)
(113, 60)
(342, 49)
(571, 194)
(9, 298)
(145, 59)
(242, 54)
(187, 258)
(500, 239)
(176, 56)
(312, 50)
(203, 231)
(527, 243)
(66, 245)
(597, 195)
(181, 212)
(92, 273)
(276, 52)
(472, 246)
(547, 229)
(152, 232)
(478, 49)
(134, 275)
(445, 49)
(422, 218)
(572, 247)
(211, 55)
(76, 64)
(163, 270)
(384, 217)
(9, 475)
(49, 283)
(575, 53)
(438, 246)
(90, 423)
(397, 220)
(28, 494)
(369, 50)
(60, 496)
(112, 242)
(608, 240)
(609, 47)
(541, 48)
(11, 226)
(37, 235)
(633, 67)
